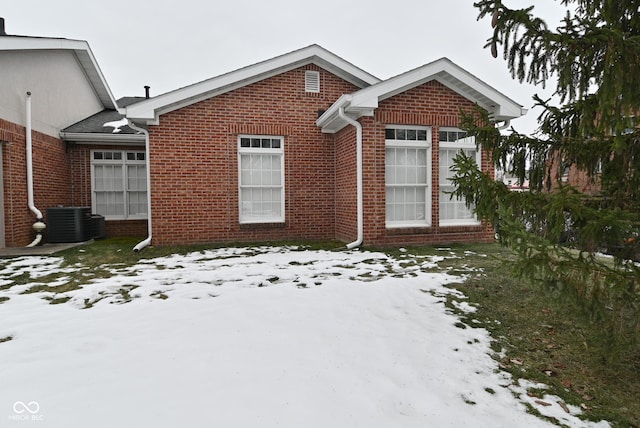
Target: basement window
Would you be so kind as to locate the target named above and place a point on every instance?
(312, 81)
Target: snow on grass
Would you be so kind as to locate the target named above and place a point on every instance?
(247, 337)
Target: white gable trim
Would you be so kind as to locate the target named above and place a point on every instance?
(82, 52)
(150, 110)
(365, 101)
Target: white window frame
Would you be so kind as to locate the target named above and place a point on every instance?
(243, 219)
(409, 144)
(124, 162)
(467, 143)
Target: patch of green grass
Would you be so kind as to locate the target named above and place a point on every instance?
(57, 300)
(543, 337)
(159, 295)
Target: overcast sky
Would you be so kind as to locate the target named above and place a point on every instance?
(167, 44)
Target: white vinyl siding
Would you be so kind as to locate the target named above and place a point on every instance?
(408, 176)
(119, 184)
(261, 179)
(454, 212)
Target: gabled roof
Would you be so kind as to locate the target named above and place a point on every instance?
(365, 101)
(82, 52)
(149, 111)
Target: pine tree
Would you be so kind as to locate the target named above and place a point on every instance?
(593, 58)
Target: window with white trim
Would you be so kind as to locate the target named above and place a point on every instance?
(454, 211)
(261, 179)
(119, 184)
(408, 176)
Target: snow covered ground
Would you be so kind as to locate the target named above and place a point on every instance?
(252, 337)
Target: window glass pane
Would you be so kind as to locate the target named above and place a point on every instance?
(412, 134)
(117, 155)
(97, 155)
(137, 203)
(137, 177)
(266, 143)
(131, 156)
(422, 135)
(401, 134)
(390, 134)
(275, 143)
(255, 142)
(245, 142)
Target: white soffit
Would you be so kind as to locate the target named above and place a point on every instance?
(149, 111)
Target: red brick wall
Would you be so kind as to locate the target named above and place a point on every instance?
(51, 179)
(80, 161)
(346, 185)
(194, 162)
(431, 104)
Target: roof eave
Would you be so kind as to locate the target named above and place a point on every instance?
(149, 111)
(102, 138)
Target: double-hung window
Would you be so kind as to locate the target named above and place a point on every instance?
(119, 184)
(454, 211)
(261, 179)
(408, 176)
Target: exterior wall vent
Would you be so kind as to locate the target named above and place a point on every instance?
(312, 81)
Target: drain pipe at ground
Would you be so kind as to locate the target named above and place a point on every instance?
(39, 225)
(146, 242)
(360, 209)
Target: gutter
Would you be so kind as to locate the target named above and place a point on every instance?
(360, 208)
(145, 243)
(102, 138)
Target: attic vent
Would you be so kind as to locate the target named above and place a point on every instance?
(312, 81)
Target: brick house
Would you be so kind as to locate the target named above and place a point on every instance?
(304, 146)
(59, 82)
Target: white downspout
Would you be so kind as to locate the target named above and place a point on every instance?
(147, 241)
(360, 204)
(39, 225)
(505, 125)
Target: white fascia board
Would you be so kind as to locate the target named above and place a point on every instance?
(450, 75)
(149, 111)
(86, 60)
(96, 138)
(331, 122)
